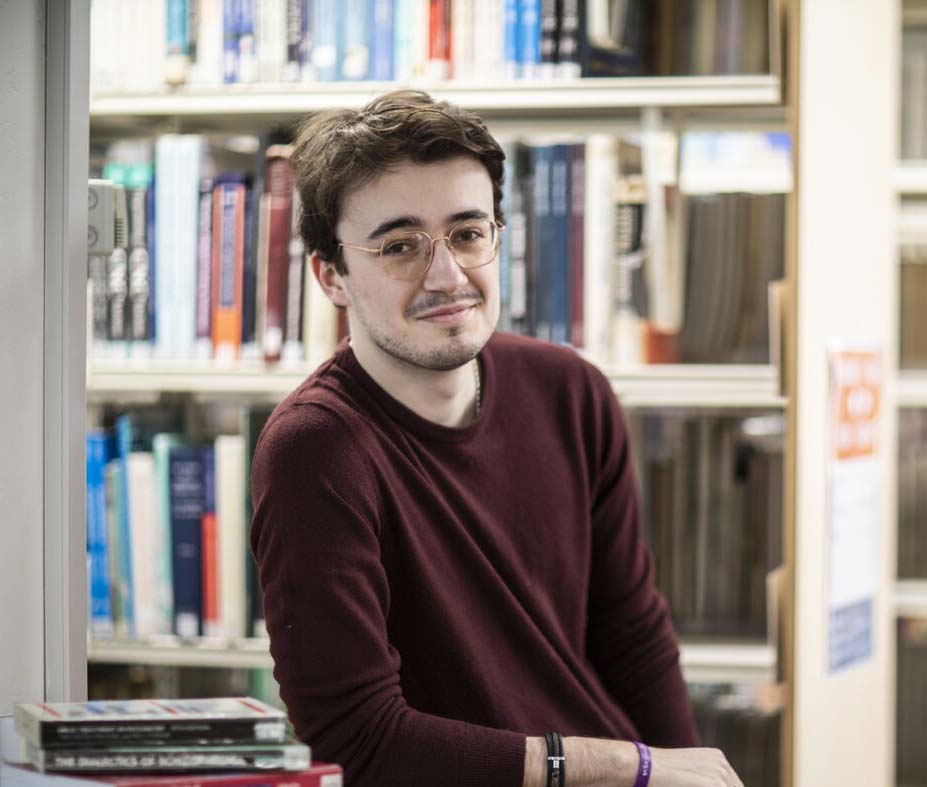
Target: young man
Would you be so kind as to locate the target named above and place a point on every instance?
(445, 519)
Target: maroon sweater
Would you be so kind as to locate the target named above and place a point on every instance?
(435, 594)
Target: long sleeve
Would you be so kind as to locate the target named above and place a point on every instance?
(327, 602)
(630, 638)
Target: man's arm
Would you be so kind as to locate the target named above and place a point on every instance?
(592, 762)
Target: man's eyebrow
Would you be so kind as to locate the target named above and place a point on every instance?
(414, 222)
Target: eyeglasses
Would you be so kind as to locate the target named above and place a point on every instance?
(407, 256)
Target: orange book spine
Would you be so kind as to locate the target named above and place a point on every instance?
(228, 250)
(211, 621)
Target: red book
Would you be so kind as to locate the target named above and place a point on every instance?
(278, 207)
(577, 242)
(439, 39)
(319, 775)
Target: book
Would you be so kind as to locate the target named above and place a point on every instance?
(319, 774)
(289, 756)
(231, 533)
(188, 495)
(228, 249)
(100, 447)
(86, 725)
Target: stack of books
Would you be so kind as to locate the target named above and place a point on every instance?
(156, 743)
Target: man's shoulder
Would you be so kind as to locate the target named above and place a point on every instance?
(550, 363)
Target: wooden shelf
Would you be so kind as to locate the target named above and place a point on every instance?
(235, 106)
(911, 598)
(701, 663)
(911, 389)
(693, 385)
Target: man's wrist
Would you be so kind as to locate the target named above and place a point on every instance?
(591, 762)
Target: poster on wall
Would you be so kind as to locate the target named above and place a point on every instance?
(856, 379)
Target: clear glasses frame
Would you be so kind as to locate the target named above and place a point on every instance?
(396, 268)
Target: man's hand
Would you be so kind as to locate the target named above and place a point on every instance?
(692, 768)
(597, 762)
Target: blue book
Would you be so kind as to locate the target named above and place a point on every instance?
(178, 30)
(529, 38)
(247, 54)
(100, 449)
(358, 37)
(383, 54)
(542, 159)
(512, 39)
(560, 226)
(326, 21)
(125, 438)
(185, 468)
(231, 14)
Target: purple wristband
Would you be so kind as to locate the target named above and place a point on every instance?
(643, 770)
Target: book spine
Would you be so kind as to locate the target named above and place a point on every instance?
(517, 230)
(139, 268)
(230, 56)
(355, 62)
(101, 610)
(227, 268)
(325, 24)
(568, 40)
(187, 502)
(204, 271)
(161, 446)
(142, 503)
(318, 775)
(383, 40)
(207, 68)
(249, 283)
(270, 35)
(439, 40)
(279, 185)
(124, 526)
(98, 304)
(292, 67)
(177, 64)
(529, 35)
(164, 244)
(549, 38)
(247, 56)
(212, 622)
(112, 480)
(512, 39)
(462, 44)
(186, 206)
(560, 226)
(117, 292)
(577, 242)
(293, 343)
(403, 50)
(541, 289)
(151, 220)
(232, 541)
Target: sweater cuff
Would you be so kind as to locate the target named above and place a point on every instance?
(497, 758)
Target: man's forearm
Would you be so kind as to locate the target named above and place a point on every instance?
(595, 762)
(590, 762)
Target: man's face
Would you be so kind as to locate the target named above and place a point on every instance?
(442, 320)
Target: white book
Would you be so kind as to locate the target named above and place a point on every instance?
(162, 541)
(598, 243)
(142, 510)
(165, 327)
(231, 530)
(462, 43)
(207, 68)
(489, 44)
(155, 58)
(186, 206)
(270, 39)
(320, 322)
(419, 13)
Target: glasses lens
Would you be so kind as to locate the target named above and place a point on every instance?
(473, 243)
(405, 256)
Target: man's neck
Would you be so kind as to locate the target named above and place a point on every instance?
(447, 398)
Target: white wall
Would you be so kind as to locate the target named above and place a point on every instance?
(22, 241)
(846, 288)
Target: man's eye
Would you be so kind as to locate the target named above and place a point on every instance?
(467, 235)
(398, 248)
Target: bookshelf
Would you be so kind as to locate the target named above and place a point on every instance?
(743, 663)
(671, 385)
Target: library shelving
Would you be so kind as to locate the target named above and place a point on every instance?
(742, 663)
(912, 389)
(911, 598)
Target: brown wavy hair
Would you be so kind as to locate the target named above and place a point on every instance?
(341, 150)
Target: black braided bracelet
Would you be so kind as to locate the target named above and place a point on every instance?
(556, 762)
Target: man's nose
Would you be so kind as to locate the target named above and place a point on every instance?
(444, 274)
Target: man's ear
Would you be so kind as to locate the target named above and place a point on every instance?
(329, 280)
